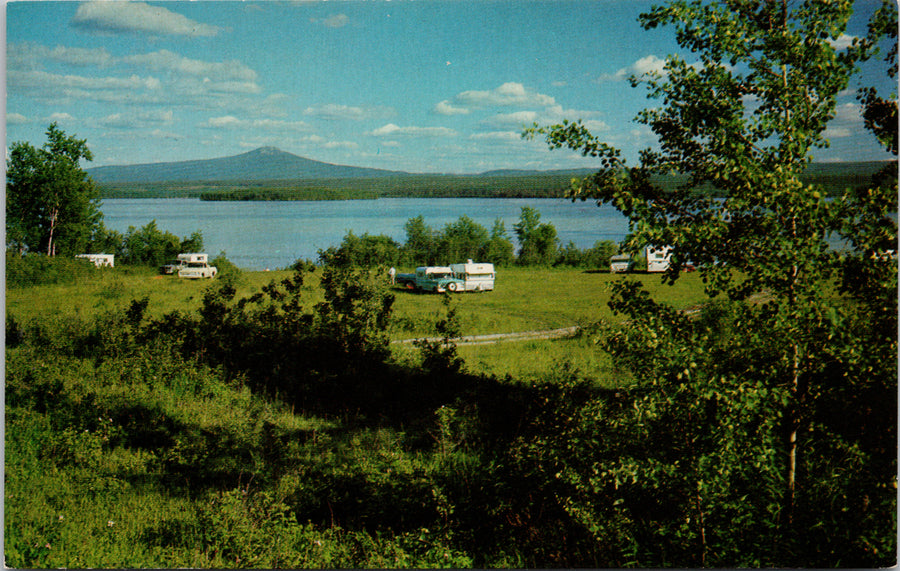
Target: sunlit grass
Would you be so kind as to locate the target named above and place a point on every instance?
(525, 299)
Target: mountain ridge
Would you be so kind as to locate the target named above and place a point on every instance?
(272, 164)
(264, 163)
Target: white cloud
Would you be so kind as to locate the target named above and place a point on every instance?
(61, 117)
(335, 21)
(843, 42)
(165, 60)
(335, 111)
(847, 121)
(340, 145)
(596, 126)
(517, 118)
(505, 136)
(52, 86)
(232, 122)
(848, 112)
(106, 17)
(551, 114)
(447, 108)
(245, 87)
(391, 129)
(223, 122)
(141, 119)
(507, 94)
(15, 119)
(27, 56)
(647, 64)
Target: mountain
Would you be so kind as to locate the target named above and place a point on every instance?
(265, 163)
(270, 163)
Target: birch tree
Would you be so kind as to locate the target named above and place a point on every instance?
(815, 321)
(51, 203)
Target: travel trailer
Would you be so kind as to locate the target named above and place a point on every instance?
(620, 263)
(182, 261)
(658, 259)
(100, 260)
(474, 277)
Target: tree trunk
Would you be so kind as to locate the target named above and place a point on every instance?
(51, 249)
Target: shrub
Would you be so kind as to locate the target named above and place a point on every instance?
(38, 269)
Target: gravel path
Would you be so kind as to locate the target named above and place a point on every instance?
(498, 337)
(521, 335)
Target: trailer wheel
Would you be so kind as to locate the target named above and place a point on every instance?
(452, 286)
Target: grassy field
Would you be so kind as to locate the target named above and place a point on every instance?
(525, 299)
(255, 441)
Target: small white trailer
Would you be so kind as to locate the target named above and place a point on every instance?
(620, 263)
(100, 260)
(475, 277)
(658, 259)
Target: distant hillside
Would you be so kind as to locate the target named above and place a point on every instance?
(270, 170)
(265, 163)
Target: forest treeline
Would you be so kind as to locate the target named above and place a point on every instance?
(833, 178)
(465, 239)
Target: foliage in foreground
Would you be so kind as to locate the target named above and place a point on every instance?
(272, 431)
(758, 417)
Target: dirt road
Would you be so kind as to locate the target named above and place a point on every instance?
(498, 337)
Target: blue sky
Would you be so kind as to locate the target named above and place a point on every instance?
(432, 86)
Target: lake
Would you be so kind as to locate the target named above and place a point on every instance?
(269, 234)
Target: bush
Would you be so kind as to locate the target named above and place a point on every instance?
(362, 251)
(225, 267)
(39, 269)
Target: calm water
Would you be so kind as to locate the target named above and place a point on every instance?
(259, 235)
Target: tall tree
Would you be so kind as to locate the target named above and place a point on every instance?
(747, 118)
(419, 248)
(462, 240)
(51, 203)
(500, 250)
(537, 240)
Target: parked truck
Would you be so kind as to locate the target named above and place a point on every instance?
(181, 261)
(430, 278)
(455, 278)
(191, 266)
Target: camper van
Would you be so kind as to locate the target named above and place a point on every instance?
(474, 277)
(658, 259)
(182, 261)
(100, 260)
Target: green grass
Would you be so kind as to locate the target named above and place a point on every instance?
(525, 299)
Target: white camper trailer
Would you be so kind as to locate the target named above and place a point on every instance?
(475, 277)
(192, 258)
(100, 260)
(182, 261)
(620, 263)
(658, 259)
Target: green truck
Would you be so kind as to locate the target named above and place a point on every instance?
(455, 278)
